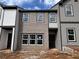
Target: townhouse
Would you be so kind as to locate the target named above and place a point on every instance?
(37, 30)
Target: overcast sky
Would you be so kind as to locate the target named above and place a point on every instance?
(32, 4)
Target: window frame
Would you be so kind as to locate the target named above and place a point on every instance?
(39, 39)
(24, 39)
(71, 34)
(72, 10)
(55, 17)
(28, 40)
(37, 17)
(25, 17)
(32, 39)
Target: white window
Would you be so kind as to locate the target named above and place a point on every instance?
(52, 17)
(69, 10)
(0, 12)
(40, 17)
(32, 38)
(25, 39)
(71, 34)
(25, 17)
(39, 38)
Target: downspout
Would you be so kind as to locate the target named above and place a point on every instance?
(13, 35)
(16, 30)
(60, 27)
(2, 18)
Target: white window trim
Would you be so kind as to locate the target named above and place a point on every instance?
(32, 39)
(37, 17)
(71, 34)
(54, 16)
(26, 17)
(28, 40)
(40, 39)
(72, 10)
(24, 39)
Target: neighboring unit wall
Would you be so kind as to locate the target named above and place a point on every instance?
(69, 22)
(75, 17)
(64, 28)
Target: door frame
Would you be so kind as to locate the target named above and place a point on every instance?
(8, 41)
(53, 32)
(53, 41)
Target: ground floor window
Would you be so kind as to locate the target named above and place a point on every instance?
(25, 38)
(71, 34)
(32, 38)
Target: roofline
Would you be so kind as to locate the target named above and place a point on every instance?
(55, 4)
(37, 10)
(60, 3)
(63, 1)
(10, 6)
(21, 9)
(1, 4)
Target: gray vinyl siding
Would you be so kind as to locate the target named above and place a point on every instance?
(20, 31)
(58, 42)
(75, 17)
(69, 22)
(16, 30)
(64, 28)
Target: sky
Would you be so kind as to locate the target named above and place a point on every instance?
(32, 4)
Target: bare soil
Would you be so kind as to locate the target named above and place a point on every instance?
(50, 54)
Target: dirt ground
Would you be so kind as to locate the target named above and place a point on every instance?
(15, 55)
(50, 54)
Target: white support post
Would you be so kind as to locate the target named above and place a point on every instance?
(12, 43)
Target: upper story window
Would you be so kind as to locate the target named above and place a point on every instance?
(69, 10)
(71, 34)
(52, 17)
(75, 0)
(0, 12)
(25, 17)
(40, 17)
